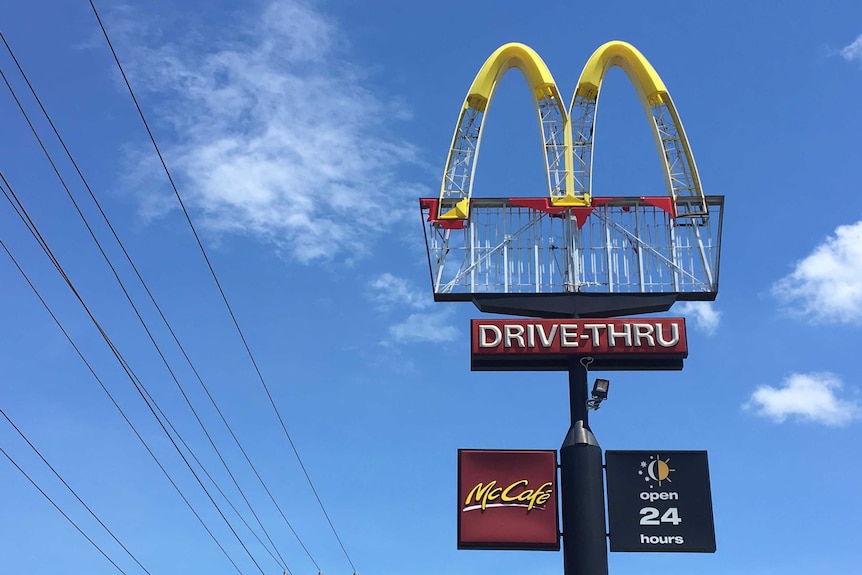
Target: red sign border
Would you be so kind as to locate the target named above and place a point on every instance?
(513, 546)
(536, 359)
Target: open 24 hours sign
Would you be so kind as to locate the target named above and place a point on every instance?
(659, 501)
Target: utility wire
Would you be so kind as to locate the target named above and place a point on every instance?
(218, 284)
(69, 487)
(142, 321)
(138, 314)
(219, 489)
(112, 399)
(63, 513)
(158, 309)
(139, 386)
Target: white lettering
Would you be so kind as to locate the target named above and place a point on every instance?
(659, 496)
(514, 332)
(546, 339)
(659, 335)
(626, 334)
(595, 327)
(568, 335)
(643, 330)
(483, 336)
(661, 539)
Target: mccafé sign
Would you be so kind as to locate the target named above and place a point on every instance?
(515, 494)
(507, 500)
(550, 344)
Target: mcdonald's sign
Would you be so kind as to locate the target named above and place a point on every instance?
(616, 255)
(567, 137)
(507, 499)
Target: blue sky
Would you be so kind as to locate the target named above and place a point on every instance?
(300, 135)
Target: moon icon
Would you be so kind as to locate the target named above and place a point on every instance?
(659, 470)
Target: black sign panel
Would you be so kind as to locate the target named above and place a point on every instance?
(659, 501)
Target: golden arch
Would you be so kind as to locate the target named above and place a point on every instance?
(680, 171)
(457, 185)
(639, 70)
(568, 137)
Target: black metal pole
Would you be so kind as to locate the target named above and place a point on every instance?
(585, 549)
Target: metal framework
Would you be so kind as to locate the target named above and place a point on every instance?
(457, 186)
(677, 161)
(680, 171)
(571, 253)
(617, 245)
(457, 180)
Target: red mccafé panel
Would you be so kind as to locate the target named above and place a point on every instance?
(507, 500)
(659, 336)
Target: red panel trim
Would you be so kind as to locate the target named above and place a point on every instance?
(431, 204)
(581, 214)
(662, 202)
(648, 336)
(540, 204)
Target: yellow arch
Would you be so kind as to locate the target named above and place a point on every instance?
(653, 95)
(542, 87)
(636, 66)
(504, 58)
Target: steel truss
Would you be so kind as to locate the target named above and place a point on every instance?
(461, 165)
(679, 170)
(623, 245)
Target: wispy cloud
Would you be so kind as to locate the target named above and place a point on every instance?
(826, 286)
(277, 134)
(852, 52)
(387, 291)
(392, 293)
(430, 327)
(703, 313)
(805, 396)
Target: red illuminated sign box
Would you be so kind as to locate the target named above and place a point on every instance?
(507, 500)
(552, 344)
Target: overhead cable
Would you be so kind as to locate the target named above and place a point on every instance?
(63, 513)
(114, 401)
(217, 282)
(139, 386)
(72, 491)
(160, 313)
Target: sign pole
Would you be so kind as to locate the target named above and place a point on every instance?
(582, 486)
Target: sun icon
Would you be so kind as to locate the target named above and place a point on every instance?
(659, 470)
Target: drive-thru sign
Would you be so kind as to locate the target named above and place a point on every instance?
(549, 344)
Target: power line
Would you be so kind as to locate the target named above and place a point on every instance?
(72, 491)
(218, 284)
(114, 401)
(63, 513)
(161, 314)
(222, 493)
(139, 386)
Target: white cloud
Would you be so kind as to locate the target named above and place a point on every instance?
(806, 396)
(277, 134)
(853, 51)
(827, 284)
(431, 327)
(387, 290)
(705, 316)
